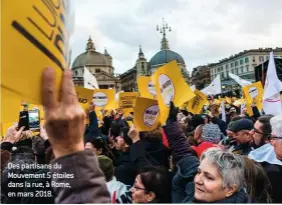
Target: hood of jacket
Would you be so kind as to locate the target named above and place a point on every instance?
(265, 153)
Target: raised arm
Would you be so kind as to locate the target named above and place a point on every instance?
(175, 136)
(64, 120)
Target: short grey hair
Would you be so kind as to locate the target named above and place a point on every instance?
(229, 165)
(276, 125)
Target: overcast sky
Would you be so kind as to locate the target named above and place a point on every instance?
(203, 31)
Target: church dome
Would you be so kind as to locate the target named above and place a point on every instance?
(91, 57)
(166, 56)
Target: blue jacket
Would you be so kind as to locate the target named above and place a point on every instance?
(187, 166)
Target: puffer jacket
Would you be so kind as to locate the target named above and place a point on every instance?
(187, 166)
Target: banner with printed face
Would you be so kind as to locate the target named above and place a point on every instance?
(146, 114)
(127, 101)
(254, 94)
(196, 104)
(35, 35)
(146, 87)
(170, 86)
(104, 99)
(84, 96)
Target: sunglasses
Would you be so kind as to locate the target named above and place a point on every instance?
(274, 138)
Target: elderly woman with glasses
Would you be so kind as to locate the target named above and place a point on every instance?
(217, 178)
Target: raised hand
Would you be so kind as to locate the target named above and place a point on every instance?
(13, 135)
(133, 134)
(64, 118)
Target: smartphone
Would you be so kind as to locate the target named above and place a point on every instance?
(34, 120)
(23, 120)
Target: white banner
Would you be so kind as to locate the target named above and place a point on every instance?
(214, 88)
(239, 80)
(272, 84)
(90, 81)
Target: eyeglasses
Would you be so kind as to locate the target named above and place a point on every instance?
(140, 188)
(274, 138)
(257, 131)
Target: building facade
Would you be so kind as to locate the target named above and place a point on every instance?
(100, 65)
(242, 64)
(143, 67)
(201, 76)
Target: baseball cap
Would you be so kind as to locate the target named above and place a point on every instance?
(242, 124)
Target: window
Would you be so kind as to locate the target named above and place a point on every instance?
(247, 68)
(246, 60)
(254, 59)
(226, 66)
(267, 58)
(98, 70)
(222, 75)
(231, 65)
(142, 65)
(76, 73)
(236, 71)
(261, 58)
(218, 69)
(242, 69)
(241, 61)
(236, 63)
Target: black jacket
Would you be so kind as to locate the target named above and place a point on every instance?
(274, 173)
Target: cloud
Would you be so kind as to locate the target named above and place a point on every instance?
(202, 31)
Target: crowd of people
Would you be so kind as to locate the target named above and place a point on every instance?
(191, 159)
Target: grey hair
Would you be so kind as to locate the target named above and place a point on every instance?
(229, 165)
(276, 125)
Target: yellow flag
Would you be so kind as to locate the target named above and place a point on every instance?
(84, 96)
(196, 104)
(127, 101)
(238, 102)
(253, 94)
(35, 35)
(170, 86)
(228, 100)
(104, 99)
(146, 114)
(146, 87)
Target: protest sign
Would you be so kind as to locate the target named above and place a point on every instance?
(196, 104)
(170, 86)
(35, 35)
(127, 101)
(146, 87)
(104, 99)
(84, 96)
(253, 94)
(146, 114)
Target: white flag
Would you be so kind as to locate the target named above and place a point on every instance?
(90, 81)
(272, 87)
(214, 88)
(272, 84)
(272, 105)
(239, 80)
(223, 114)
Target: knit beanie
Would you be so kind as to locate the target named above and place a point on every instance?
(107, 166)
(211, 133)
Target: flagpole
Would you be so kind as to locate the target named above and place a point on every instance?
(262, 74)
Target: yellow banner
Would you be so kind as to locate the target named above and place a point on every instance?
(253, 94)
(146, 114)
(104, 99)
(84, 97)
(228, 100)
(146, 87)
(170, 86)
(127, 101)
(35, 35)
(196, 104)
